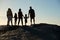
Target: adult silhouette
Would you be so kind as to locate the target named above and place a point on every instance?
(9, 16)
(32, 15)
(20, 17)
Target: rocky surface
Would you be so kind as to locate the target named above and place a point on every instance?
(34, 32)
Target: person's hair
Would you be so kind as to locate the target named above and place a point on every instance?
(9, 9)
(20, 9)
(25, 14)
(30, 7)
(15, 13)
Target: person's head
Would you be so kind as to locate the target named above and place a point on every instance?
(15, 13)
(9, 9)
(30, 7)
(20, 9)
(25, 14)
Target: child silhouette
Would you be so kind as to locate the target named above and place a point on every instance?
(15, 18)
(25, 19)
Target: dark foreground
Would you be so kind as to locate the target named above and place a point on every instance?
(34, 32)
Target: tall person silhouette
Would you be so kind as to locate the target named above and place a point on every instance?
(32, 15)
(20, 17)
(9, 16)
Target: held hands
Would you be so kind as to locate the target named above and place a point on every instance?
(28, 16)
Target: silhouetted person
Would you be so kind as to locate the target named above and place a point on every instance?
(32, 15)
(9, 16)
(15, 18)
(20, 17)
(25, 19)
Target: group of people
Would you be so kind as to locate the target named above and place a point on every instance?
(20, 16)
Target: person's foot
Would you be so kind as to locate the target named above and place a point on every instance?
(22, 24)
(7, 25)
(34, 23)
(18, 24)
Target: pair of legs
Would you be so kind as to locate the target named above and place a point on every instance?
(9, 22)
(15, 21)
(25, 22)
(33, 20)
(21, 21)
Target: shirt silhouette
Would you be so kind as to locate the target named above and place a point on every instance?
(32, 15)
(15, 18)
(9, 16)
(20, 17)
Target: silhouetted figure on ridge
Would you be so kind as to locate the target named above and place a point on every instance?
(25, 19)
(20, 17)
(15, 18)
(9, 16)
(32, 15)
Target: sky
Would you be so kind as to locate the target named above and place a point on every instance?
(46, 11)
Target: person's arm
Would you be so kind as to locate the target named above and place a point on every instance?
(22, 15)
(34, 13)
(27, 17)
(11, 14)
(14, 16)
(18, 15)
(28, 13)
(7, 14)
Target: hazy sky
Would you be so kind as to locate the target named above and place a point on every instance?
(47, 11)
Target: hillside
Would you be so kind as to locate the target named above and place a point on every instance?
(35, 32)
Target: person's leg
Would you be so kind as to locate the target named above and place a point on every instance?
(18, 21)
(11, 22)
(8, 22)
(15, 21)
(25, 22)
(31, 20)
(34, 20)
(22, 21)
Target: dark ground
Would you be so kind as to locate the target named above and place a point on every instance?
(35, 32)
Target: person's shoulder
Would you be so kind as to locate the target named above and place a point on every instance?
(33, 9)
(7, 11)
(18, 12)
(29, 9)
(21, 11)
